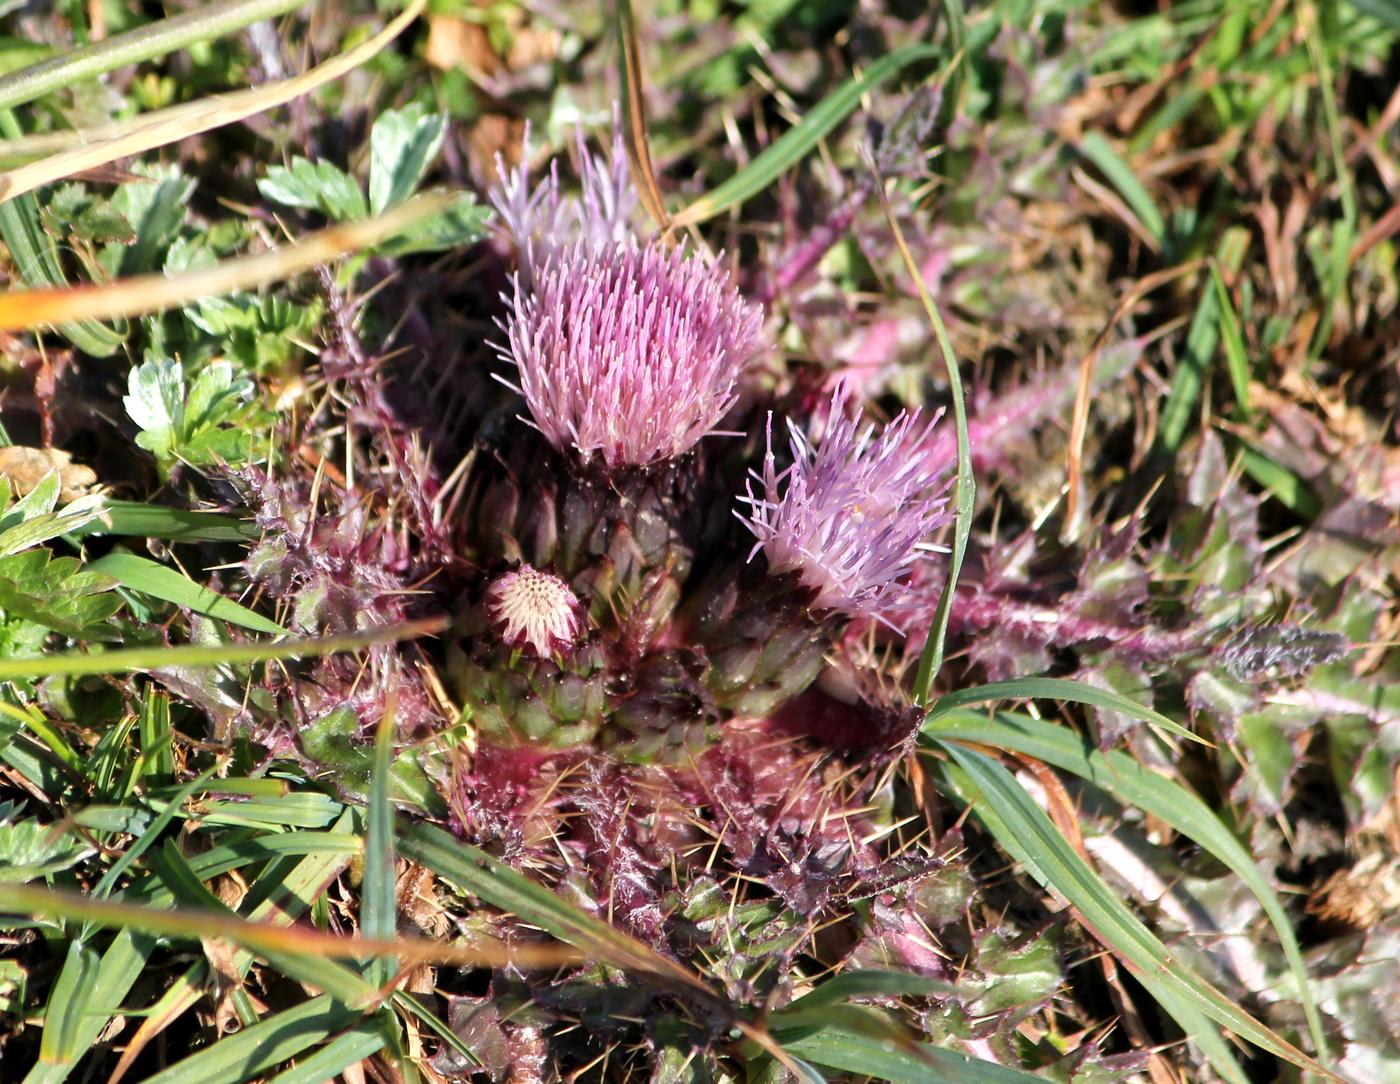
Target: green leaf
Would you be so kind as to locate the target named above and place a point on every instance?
(156, 211)
(209, 424)
(1097, 149)
(29, 850)
(379, 900)
(464, 222)
(41, 499)
(798, 141)
(402, 145)
(267, 1044)
(316, 186)
(49, 525)
(1387, 11)
(35, 256)
(135, 519)
(1042, 688)
(852, 1052)
(334, 743)
(55, 593)
(216, 394)
(155, 401)
(170, 585)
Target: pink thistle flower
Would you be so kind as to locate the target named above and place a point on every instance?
(851, 518)
(629, 352)
(532, 608)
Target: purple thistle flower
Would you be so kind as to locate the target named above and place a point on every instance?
(630, 352)
(852, 516)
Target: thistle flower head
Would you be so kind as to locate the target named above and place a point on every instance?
(533, 609)
(630, 353)
(852, 516)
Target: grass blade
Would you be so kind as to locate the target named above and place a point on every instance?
(965, 496)
(188, 120)
(155, 657)
(503, 887)
(1236, 360)
(850, 1052)
(157, 762)
(794, 144)
(1285, 486)
(1100, 152)
(36, 260)
(379, 903)
(335, 1057)
(94, 1004)
(1042, 688)
(264, 938)
(633, 99)
(140, 295)
(207, 21)
(267, 1044)
(1201, 338)
(169, 585)
(133, 518)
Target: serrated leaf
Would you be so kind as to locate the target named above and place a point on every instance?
(316, 186)
(29, 850)
(403, 144)
(155, 396)
(215, 394)
(41, 528)
(463, 223)
(55, 593)
(156, 212)
(39, 500)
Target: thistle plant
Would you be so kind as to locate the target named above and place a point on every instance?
(680, 550)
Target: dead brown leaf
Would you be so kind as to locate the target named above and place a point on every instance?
(26, 467)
